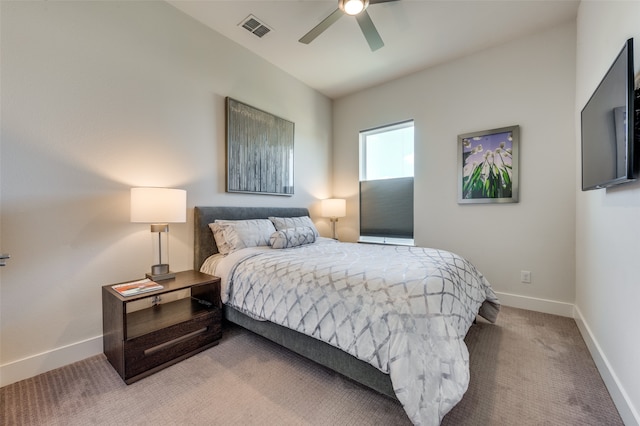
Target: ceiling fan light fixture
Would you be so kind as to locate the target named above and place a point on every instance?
(356, 8)
(353, 7)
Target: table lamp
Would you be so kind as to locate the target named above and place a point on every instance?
(334, 208)
(159, 207)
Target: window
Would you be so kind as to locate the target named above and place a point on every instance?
(386, 184)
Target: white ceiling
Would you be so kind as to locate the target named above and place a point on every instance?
(417, 34)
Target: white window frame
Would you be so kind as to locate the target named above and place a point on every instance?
(363, 176)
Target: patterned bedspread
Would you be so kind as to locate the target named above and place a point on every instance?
(404, 310)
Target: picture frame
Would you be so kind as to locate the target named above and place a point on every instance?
(488, 166)
(259, 151)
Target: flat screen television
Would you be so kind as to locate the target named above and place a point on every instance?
(610, 150)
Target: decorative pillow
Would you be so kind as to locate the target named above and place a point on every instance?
(239, 234)
(282, 223)
(218, 235)
(292, 237)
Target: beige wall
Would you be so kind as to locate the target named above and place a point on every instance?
(98, 97)
(528, 82)
(608, 222)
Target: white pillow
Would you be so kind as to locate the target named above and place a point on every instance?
(282, 223)
(239, 234)
(218, 236)
(292, 237)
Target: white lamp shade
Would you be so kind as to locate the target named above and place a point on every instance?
(158, 205)
(334, 207)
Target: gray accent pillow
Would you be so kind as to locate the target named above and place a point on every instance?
(292, 237)
(282, 223)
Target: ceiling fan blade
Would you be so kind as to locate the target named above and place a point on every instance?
(369, 31)
(319, 29)
(380, 1)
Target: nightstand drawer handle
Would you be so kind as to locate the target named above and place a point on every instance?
(175, 341)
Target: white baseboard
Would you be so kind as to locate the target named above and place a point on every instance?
(620, 398)
(562, 309)
(47, 361)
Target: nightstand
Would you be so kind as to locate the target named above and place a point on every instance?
(145, 333)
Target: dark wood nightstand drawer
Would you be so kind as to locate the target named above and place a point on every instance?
(156, 349)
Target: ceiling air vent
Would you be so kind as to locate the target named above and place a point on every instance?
(255, 26)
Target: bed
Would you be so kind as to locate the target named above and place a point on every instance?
(408, 342)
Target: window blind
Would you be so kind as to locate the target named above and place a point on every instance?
(386, 208)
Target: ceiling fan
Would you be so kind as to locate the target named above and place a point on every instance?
(357, 8)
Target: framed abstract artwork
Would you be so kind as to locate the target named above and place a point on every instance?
(259, 151)
(488, 166)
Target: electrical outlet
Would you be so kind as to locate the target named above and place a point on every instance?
(525, 276)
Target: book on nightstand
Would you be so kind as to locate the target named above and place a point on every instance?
(136, 287)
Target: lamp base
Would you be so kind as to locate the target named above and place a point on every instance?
(160, 277)
(160, 272)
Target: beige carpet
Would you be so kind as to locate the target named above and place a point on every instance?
(528, 369)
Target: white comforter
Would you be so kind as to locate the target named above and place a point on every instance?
(404, 310)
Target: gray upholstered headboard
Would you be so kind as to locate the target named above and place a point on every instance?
(204, 244)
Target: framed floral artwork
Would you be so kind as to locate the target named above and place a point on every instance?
(488, 166)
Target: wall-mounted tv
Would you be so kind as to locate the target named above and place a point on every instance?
(610, 148)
